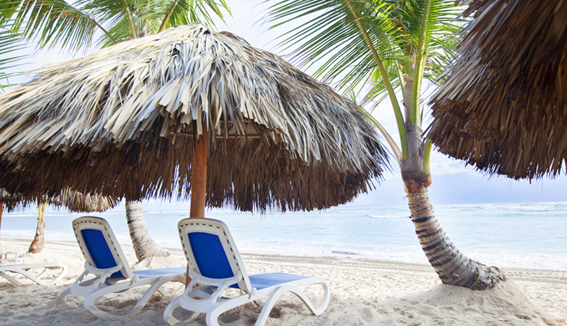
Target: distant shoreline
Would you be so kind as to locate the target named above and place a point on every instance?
(322, 259)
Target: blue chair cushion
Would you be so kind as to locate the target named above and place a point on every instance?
(210, 255)
(99, 250)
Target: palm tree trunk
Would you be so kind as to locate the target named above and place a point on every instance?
(451, 265)
(38, 241)
(144, 245)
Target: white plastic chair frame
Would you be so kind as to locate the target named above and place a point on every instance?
(103, 283)
(204, 295)
(13, 257)
(23, 270)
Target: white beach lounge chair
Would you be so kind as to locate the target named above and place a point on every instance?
(23, 269)
(215, 265)
(105, 259)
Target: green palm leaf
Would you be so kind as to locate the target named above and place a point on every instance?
(51, 23)
(332, 38)
(84, 23)
(9, 43)
(183, 12)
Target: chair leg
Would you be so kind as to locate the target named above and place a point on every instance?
(89, 303)
(168, 313)
(60, 276)
(326, 298)
(142, 302)
(214, 313)
(41, 274)
(265, 313)
(10, 278)
(213, 316)
(60, 302)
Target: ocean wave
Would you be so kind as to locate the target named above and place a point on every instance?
(20, 215)
(516, 259)
(18, 234)
(176, 212)
(387, 216)
(517, 208)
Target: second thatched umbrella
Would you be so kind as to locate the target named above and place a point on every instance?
(123, 121)
(72, 200)
(504, 107)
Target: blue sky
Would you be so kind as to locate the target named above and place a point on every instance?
(453, 183)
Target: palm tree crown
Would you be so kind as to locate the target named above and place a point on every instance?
(376, 43)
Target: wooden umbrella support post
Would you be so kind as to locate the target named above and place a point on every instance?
(1, 212)
(199, 174)
(198, 178)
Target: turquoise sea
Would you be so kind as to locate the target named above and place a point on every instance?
(530, 235)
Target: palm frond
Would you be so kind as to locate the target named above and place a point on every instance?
(9, 42)
(443, 28)
(120, 31)
(53, 23)
(377, 92)
(183, 12)
(333, 37)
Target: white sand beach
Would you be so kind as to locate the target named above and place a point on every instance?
(364, 292)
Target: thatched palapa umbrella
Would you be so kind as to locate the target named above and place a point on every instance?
(123, 121)
(72, 200)
(503, 108)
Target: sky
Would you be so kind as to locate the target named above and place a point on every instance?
(453, 182)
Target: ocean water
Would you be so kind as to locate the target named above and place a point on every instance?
(532, 235)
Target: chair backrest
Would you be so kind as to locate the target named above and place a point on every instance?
(99, 245)
(211, 251)
(13, 257)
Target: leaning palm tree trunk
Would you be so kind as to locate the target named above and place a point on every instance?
(144, 245)
(449, 263)
(38, 241)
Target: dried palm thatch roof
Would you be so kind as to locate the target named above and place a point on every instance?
(72, 200)
(121, 122)
(503, 108)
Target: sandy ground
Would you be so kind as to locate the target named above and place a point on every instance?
(364, 292)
